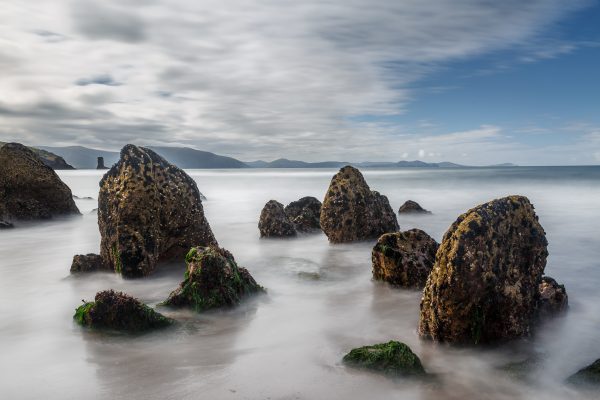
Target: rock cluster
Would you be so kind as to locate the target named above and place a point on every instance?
(412, 207)
(274, 222)
(484, 284)
(212, 280)
(29, 189)
(118, 311)
(305, 214)
(404, 258)
(351, 211)
(392, 358)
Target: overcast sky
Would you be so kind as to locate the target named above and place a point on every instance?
(469, 81)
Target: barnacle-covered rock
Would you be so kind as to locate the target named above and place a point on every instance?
(404, 258)
(351, 211)
(392, 358)
(305, 214)
(274, 222)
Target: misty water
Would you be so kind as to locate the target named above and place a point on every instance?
(321, 301)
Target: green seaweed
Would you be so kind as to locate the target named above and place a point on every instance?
(82, 311)
(392, 358)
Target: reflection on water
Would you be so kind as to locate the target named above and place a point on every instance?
(320, 303)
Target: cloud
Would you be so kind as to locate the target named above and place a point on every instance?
(96, 20)
(103, 79)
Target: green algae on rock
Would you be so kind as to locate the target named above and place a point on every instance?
(392, 358)
(484, 285)
(212, 280)
(119, 311)
(589, 375)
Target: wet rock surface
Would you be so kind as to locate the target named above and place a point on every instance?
(148, 211)
(305, 214)
(274, 222)
(392, 358)
(484, 284)
(351, 211)
(29, 189)
(404, 258)
(212, 280)
(588, 376)
(119, 311)
(553, 299)
(412, 207)
(88, 263)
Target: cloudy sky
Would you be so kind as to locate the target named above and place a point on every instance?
(470, 81)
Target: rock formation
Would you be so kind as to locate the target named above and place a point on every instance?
(213, 279)
(484, 284)
(553, 298)
(118, 311)
(404, 258)
(274, 222)
(100, 163)
(88, 263)
(305, 214)
(392, 358)
(351, 211)
(588, 376)
(29, 189)
(148, 211)
(412, 207)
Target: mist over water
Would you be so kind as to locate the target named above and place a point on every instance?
(321, 301)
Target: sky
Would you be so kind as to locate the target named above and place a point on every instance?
(470, 81)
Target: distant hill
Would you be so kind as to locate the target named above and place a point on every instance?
(185, 157)
(83, 157)
(285, 163)
(50, 159)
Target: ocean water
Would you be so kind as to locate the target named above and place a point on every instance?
(321, 301)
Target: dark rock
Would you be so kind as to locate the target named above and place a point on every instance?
(83, 198)
(148, 211)
(305, 214)
(274, 222)
(404, 258)
(212, 280)
(392, 358)
(29, 189)
(351, 211)
(6, 225)
(412, 207)
(588, 376)
(100, 163)
(484, 285)
(119, 311)
(553, 299)
(88, 263)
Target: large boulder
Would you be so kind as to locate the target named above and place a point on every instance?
(274, 222)
(351, 211)
(553, 299)
(404, 258)
(305, 214)
(148, 211)
(212, 280)
(29, 189)
(484, 284)
(119, 311)
(392, 358)
(412, 207)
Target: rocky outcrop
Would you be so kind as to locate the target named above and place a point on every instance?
(553, 299)
(274, 222)
(404, 258)
(305, 214)
(212, 280)
(100, 163)
(484, 284)
(118, 311)
(588, 376)
(392, 358)
(29, 189)
(351, 211)
(88, 263)
(412, 207)
(148, 211)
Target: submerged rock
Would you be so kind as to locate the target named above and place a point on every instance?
(589, 375)
(6, 225)
(553, 298)
(404, 258)
(119, 311)
(351, 211)
(29, 189)
(392, 358)
(88, 263)
(213, 279)
(484, 284)
(305, 214)
(274, 222)
(412, 207)
(148, 211)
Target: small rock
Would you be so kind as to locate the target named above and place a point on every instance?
(412, 207)
(589, 375)
(305, 214)
(553, 298)
(274, 222)
(6, 225)
(392, 358)
(404, 258)
(119, 311)
(88, 263)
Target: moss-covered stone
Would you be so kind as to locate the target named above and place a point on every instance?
(392, 358)
(212, 280)
(588, 376)
(119, 311)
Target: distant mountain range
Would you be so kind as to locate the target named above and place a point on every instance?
(184, 157)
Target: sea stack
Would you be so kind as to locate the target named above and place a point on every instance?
(484, 284)
(100, 163)
(29, 189)
(351, 211)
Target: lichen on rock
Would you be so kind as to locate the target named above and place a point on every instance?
(119, 311)
(404, 258)
(392, 358)
(305, 214)
(351, 211)
(212, 280)
(274, 222)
